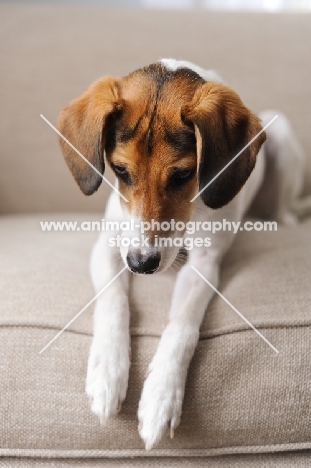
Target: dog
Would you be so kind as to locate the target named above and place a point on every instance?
(167, 130)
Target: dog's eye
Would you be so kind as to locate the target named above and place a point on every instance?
(179, 177)
(122, 173)
(182, 174)
(120, 169)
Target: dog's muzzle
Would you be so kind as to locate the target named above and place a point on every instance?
(146, 263)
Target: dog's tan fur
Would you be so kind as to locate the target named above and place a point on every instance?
(150, 118)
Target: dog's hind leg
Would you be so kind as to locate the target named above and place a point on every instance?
(283, 180)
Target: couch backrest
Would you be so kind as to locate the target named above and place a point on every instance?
(50, 54)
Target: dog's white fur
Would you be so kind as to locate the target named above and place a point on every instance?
(109, 360)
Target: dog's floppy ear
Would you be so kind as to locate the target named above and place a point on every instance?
(223, 126)
(83, 122)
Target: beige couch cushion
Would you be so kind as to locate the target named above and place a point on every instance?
(52, 268)
(51, 53)
(275, 460)
(241, 397)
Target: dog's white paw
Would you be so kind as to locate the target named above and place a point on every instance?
(107, 377)
(160, 406)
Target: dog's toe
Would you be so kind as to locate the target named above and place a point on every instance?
(160, 406)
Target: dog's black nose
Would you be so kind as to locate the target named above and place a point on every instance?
(143, 263)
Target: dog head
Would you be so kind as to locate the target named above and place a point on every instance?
(165, 133)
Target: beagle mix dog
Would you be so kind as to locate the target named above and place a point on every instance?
(166, 130)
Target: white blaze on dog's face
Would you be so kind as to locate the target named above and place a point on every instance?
(153, 154)
(165, 133)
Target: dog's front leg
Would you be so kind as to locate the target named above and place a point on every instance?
(161, 401)
(109, 359)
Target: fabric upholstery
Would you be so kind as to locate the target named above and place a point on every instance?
(52, 269)
(277, 460)
(241, 397)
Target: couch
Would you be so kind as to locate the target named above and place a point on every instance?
(244, 404)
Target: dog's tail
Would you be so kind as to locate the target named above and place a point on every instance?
(285, 170)
(301, 207)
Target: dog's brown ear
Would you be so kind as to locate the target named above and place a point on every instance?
(223, 126)
(83, 122)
